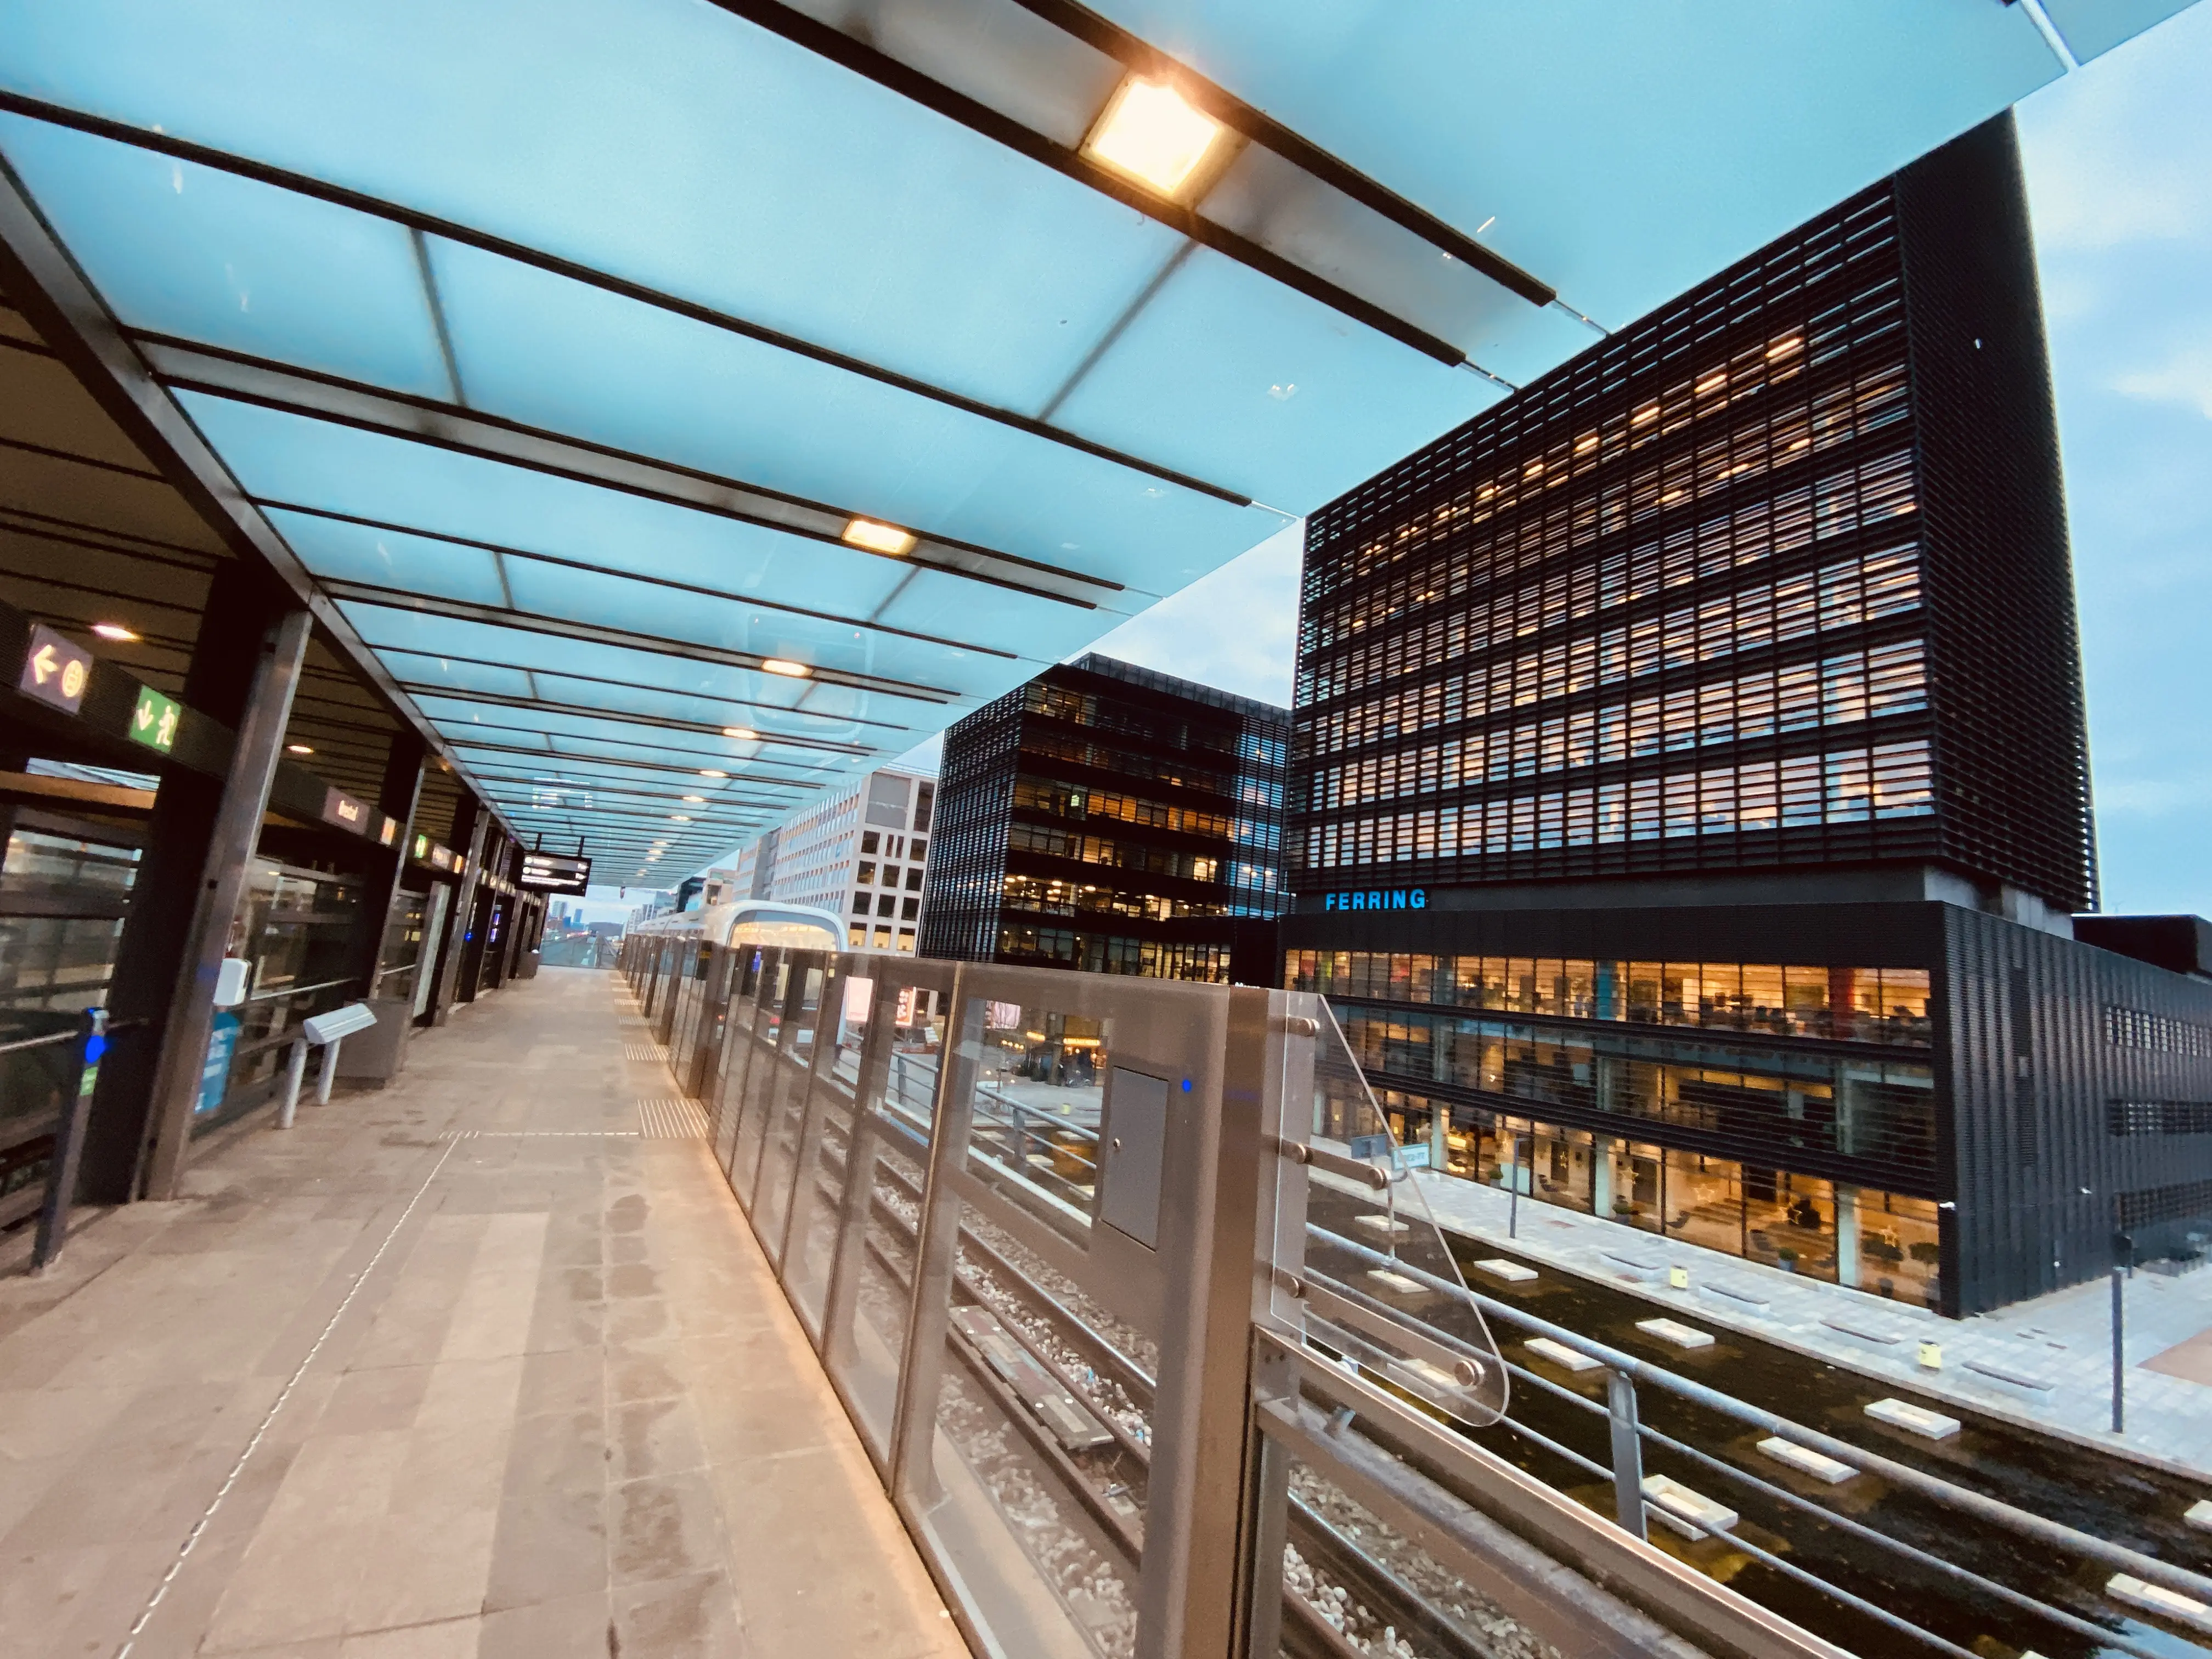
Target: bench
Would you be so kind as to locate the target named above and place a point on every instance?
(2006, 1374)
(327, 1031)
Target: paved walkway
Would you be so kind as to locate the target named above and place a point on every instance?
(2063, 1340)
(468, 1366)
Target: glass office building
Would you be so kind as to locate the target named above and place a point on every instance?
(1107, 817)
(1690, 784)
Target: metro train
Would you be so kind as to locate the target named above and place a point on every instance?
(751, 922)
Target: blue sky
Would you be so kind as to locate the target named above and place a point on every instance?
(2119, 166)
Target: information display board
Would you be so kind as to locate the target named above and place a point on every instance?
(553, 872)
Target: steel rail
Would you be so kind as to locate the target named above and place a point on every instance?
(2019, 1599)
(1400, 1605)
(2052, 1534)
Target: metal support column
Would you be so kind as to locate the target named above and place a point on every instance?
(401, 791)
(923, 1366)
(1627, 1451)
(182, 1055)
(1188, 1598)
(453, 953)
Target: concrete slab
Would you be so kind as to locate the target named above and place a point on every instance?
(1803, 1459)
(2004, 1373)
(1674, 1333)
(1560, 1354)
(2156, 1598)
(1694, 1507)
(1397, 1282)
(1866, 1330)
(1913, 1420)
(1374, 1222)
(1735, 1292)
(1512, 1273)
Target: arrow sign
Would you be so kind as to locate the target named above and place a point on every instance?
(154, 719)
(55, 671)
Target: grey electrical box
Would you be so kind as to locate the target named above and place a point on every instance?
(1133, 1134)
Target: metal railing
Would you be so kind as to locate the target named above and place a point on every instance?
(1228, 1394)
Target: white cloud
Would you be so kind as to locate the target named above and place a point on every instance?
(2185, 378)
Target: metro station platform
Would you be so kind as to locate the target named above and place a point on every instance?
(485, 1363)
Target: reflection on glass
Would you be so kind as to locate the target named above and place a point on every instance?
(1383, 1291)
(1039, 1098)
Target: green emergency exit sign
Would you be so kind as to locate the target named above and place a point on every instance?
(153, 720)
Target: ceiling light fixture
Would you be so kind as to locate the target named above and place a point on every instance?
(114, 631)
(711, 772)
(297, 749)
(878, 538)
(798, 670)
(1149, 133)
(679, 817)
(742, 733)
(697, 801)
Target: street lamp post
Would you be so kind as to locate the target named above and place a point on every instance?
(2124, 1250)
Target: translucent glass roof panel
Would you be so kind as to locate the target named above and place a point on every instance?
(1620, 151)
(2091, 28)
(205, 256)
(661, 139)
(389, 627)
(683, 751)
(816, 431)
(1257, 383)
(185, 250)
(459, 675)
(655, 228)
(336, 550)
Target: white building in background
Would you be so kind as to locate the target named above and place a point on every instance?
(861, 854)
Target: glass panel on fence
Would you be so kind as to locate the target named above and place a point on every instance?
(880, 1160)
(1039, 1456)
(825, 1141)
(772, 981)
(698, 1077)
(1039, 1092)
(1383, 1292)
(784, 1105)
(814, 1038)
(728, 1092)
(1349, 1575)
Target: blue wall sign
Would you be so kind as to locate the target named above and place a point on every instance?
(214, 1075)
(1382, 898)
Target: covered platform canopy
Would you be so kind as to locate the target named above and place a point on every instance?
(684, 403)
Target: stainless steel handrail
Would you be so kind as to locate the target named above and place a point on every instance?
(70, 1036)
(2053, 1533)
(300, 990)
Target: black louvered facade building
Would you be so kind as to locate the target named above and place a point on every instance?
(1690, 792)
(1107, 817)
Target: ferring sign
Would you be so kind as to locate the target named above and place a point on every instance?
(1382, 898)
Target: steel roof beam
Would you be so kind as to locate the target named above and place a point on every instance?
(658, 645)
(44, 283)
(360, 201)
(466, 431)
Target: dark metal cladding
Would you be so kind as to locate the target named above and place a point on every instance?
(1107, 817)
(1776, 577)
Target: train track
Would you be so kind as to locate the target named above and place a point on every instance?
(1075, 1385)
(1341, 1600)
